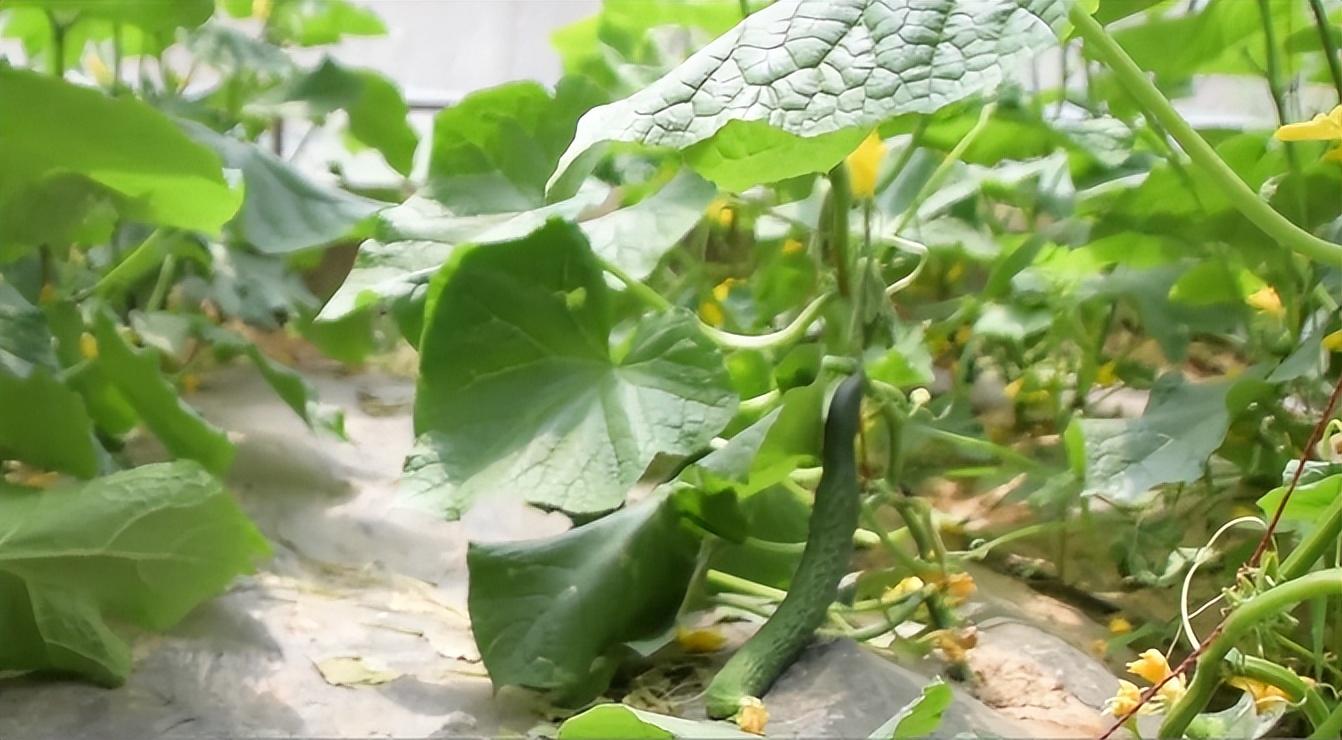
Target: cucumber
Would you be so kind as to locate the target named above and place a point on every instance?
(815, 585)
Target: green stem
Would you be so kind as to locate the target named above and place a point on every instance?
(1250, 614)
(1331, 727)
(1245, 200)
(745, 8)
(636, 287)
(1329, 47)
(944, 166)
(1323, 537)
(165, 275)
(789, 334)
(981, 445)
(840, 203)
(57, 53)
(737, 584)
(898, 613)
(118, 53)
(1258, 669)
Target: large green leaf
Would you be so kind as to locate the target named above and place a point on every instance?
(493, 151)
(522, 392)
(284, 211)
(48, 126)
(621, 722)
(45, 424)
(136, 375)
(551, 614)
(142, 547)
(1170, 442)
(1308, 503)
(149, 15)
(814, 67)
(636, 238)
(376, 109)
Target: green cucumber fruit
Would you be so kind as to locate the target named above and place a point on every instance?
(815, 585)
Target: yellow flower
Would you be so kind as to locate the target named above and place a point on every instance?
(724, 289)
(1333, 342)
(700, 640)
(88, 346)
(711, 313)
(47, 294)
(1119, 626)
(793, 246)
(1012, 389)
(1126, 700)
(1323, 127)
(1150, 665)
(864, 164)
(901, 590)
(1107, 374)
(1099, 647)
(959, 586)
(1265, 299)
(752, 716)
(1265, 696)
(720, 212)
(955, 646)
(261, 9)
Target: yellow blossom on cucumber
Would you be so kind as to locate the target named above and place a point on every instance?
(1265, 299)
(1150, 665)
(752, 716)
(711, 313)
(1125, 700)
(1265, 696)
(959, 586)
(902, 589)
(1323, 127)
(88, 346)
(700, 640)
(1119, 625)
(190, 383)
(724, 289)
(1333, 342)
(793, 246)
(720, 212)
(1106, 374)
(47, 294)
(864, 164)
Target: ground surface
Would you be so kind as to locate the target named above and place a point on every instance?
(358, 627)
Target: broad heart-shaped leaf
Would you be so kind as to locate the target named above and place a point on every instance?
(376, 109)
(284, 211)
(635, 238)
(551, 614)
(920, 717)
(143, 547)
(814, 67)
(45, 424)
(493, 151)
(47, 126)
(522, 392)
(136, 375)
(621, 722)
(1170, 442)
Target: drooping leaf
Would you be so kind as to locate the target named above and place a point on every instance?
(1307, 504)
(814, 67)
(493, 151)
(45, 424)
(920, 717)
(376, 109)
(1170, 442)
(747, 153)
(284, 211)
(161, 175)
(618, 721)
(143, 547)
(636, 238)
(551, 614)
(137, 377)
(522, 392)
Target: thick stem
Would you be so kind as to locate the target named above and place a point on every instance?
(1311, 704)
(1264, 606)
(1329, 47)
(840, 203)
(1245, 200)
(165, 275)
(636, 287)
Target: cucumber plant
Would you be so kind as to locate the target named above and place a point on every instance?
(726, 209)
(146, 231)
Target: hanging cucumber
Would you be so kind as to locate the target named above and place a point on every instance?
(815, 585)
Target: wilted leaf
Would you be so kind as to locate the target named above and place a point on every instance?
(618, 721)
(920, 717)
